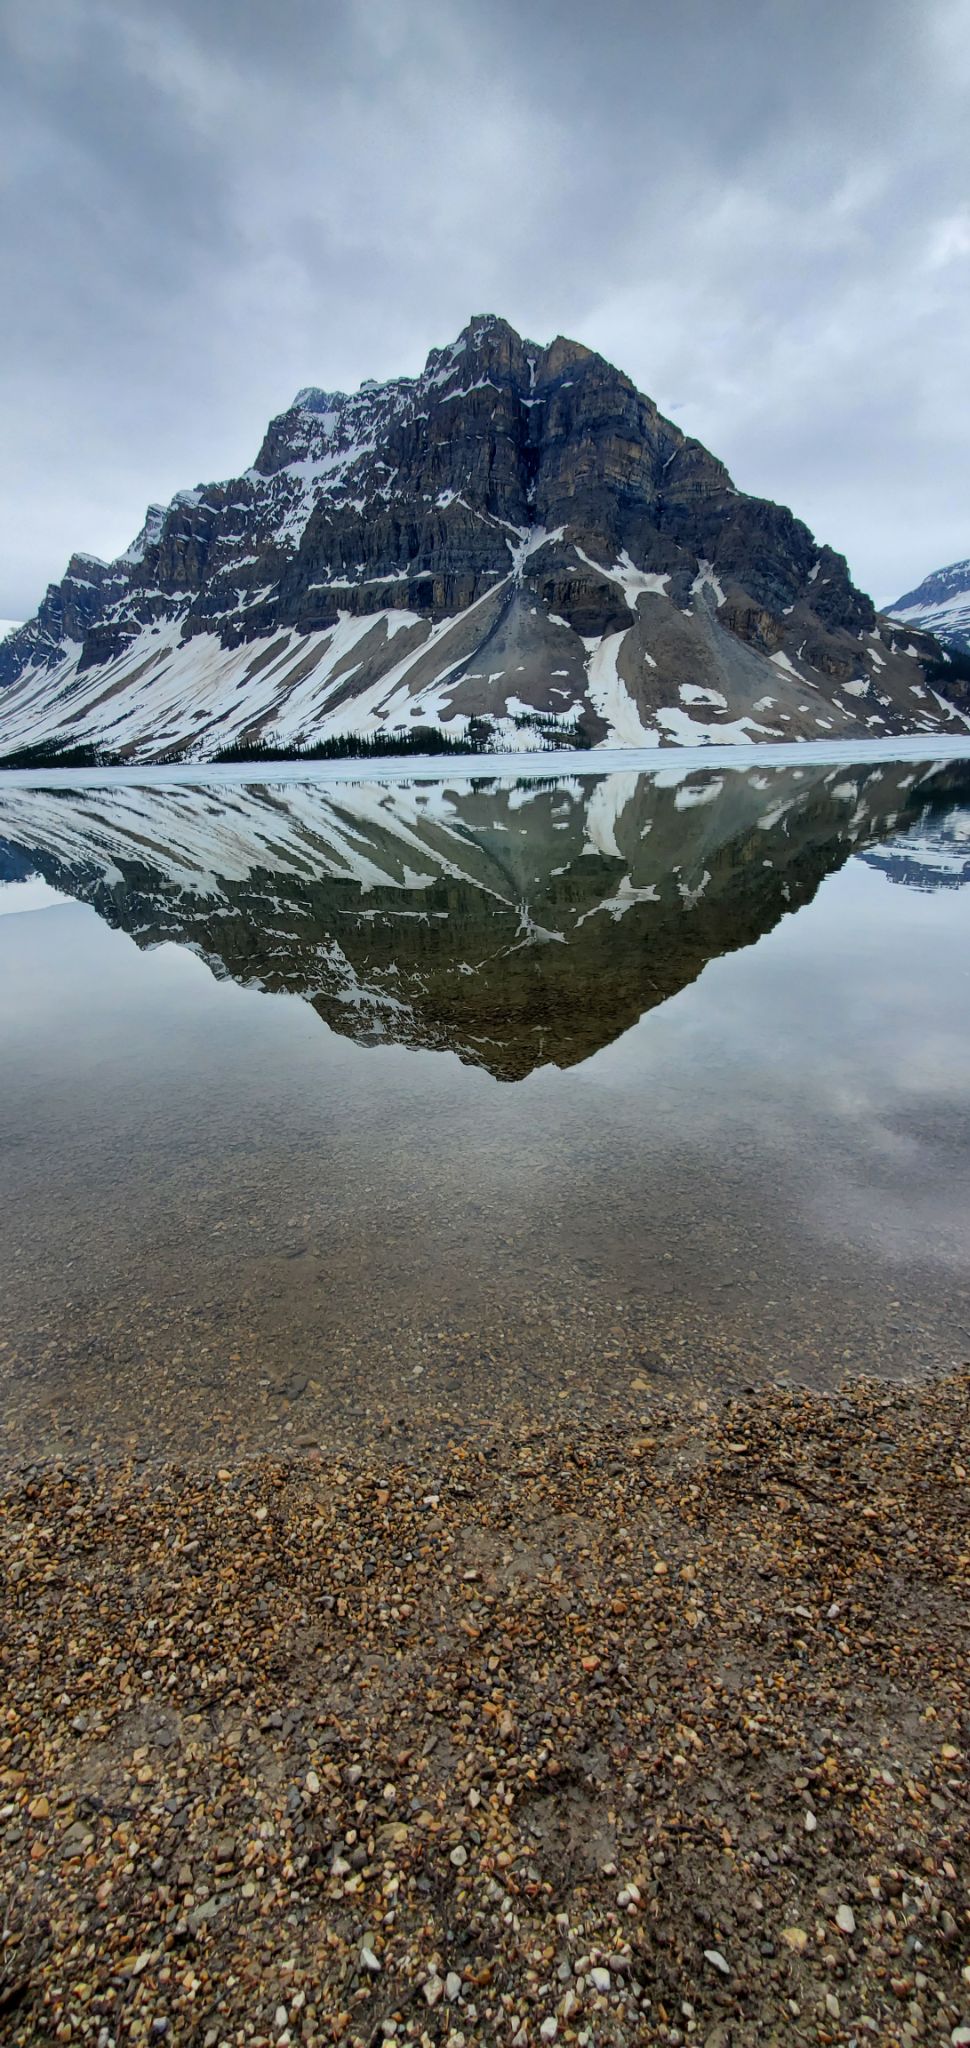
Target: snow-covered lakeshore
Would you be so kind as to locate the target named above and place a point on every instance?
(673, 763)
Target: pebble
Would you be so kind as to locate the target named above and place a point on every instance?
(283, 1771)
(845, 1919)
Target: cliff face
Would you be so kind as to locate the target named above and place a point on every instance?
(517, 534)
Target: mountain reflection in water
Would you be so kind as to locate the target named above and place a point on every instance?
(516, 926)
(238, 1223)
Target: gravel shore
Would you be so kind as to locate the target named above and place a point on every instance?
(628, 1734)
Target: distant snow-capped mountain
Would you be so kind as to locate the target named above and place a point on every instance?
(941, 605)
(517, 536)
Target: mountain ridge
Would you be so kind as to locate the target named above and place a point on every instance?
(940, 605)
(516, 535)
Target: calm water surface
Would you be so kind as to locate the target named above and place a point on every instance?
(331, 1112)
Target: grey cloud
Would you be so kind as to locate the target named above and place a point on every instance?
(761, 212)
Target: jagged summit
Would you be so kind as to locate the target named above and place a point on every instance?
(311, 399)
(482, 331)
(516, 535)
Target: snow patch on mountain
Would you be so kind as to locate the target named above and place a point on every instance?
(939, 605)
(514, 536)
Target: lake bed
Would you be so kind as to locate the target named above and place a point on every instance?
(389, 1108)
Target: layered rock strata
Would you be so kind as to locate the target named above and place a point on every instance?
(516, 535)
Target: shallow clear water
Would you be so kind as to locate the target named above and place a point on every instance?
(366, 1109)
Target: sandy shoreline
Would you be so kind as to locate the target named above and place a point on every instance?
(626, 1734)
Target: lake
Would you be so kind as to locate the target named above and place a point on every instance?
(363, 1110)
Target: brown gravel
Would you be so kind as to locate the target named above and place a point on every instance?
(646, 1734)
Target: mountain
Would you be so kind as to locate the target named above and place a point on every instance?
(935, 857)
(517, 535)
(516, 926)
(940, 605)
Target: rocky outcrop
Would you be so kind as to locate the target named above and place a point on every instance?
(516, 534)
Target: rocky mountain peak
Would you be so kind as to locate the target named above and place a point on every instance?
(563, 355)
(516, 535)
(311, 399)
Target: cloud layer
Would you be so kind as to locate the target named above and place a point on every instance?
(761, 212)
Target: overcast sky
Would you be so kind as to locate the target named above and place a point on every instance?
(760, 210)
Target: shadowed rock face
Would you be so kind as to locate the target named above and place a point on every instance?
(514, 926)
(516, 534)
